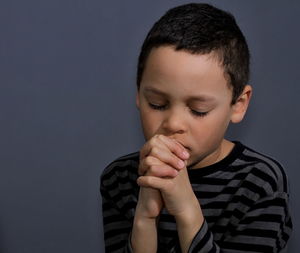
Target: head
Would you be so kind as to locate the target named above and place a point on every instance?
(192, 76)
(202, 29)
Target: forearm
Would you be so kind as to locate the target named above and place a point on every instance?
(144, 235)
(144, 231)
(188, 225)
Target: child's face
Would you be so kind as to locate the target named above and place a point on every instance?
(186, 97)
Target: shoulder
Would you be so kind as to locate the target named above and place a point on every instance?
(124, 166)
(265, 171)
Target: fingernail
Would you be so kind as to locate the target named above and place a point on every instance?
(185, 154)
(175, 173)
(181, 164)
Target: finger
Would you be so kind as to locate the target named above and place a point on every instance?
(147, 162)
(158, 148)
(163, 171)
(166, 156)
(151, 166)
(153, 182)
(175, 147)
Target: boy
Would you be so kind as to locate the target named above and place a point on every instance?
(189, 189)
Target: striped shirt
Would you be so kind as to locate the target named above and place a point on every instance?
(244, 199)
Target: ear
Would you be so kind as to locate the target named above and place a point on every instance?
(137, 100)
(240, 107)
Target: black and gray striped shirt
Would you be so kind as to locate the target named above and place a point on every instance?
(244, 199)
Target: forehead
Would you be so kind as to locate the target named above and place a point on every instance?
(183, 71)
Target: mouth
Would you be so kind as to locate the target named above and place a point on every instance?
(187, 148)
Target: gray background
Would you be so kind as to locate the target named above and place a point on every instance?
(67, 87)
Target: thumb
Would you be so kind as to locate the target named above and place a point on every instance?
(152, 182)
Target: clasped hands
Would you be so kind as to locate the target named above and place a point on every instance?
(164, 180)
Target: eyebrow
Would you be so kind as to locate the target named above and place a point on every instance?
(200, 98)
(155, 91)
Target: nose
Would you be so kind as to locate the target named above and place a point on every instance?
(174, 122)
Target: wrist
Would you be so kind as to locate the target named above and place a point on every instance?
(188, 224)
(143, 222)
(149, 203)
(144, 227)
(191, 217)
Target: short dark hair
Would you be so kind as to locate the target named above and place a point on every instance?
(202, 29)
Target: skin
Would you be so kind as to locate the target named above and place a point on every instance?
(185, 108)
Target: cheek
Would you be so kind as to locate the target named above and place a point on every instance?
(213, 127)
(220, 124)
(150, 123)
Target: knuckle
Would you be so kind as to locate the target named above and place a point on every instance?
(148, 161)
(152, 169)
(148, 180)
(155, 151)
(151, 142)
(179, 147)
(143, 166)
(156, 139)
(160, 137)
(143, 152)
(175, 161)
(174, 173)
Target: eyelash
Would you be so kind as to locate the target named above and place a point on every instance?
(157, 107)
(199, 114)
(163, 107)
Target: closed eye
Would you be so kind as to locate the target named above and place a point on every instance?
(157, 107)
(198, 114)
(163, 107)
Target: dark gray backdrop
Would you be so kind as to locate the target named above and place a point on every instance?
(67, 86)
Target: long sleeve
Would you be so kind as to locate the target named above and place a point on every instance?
(265, 228)
(119, 197)
(116, 227)
(244, 199)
